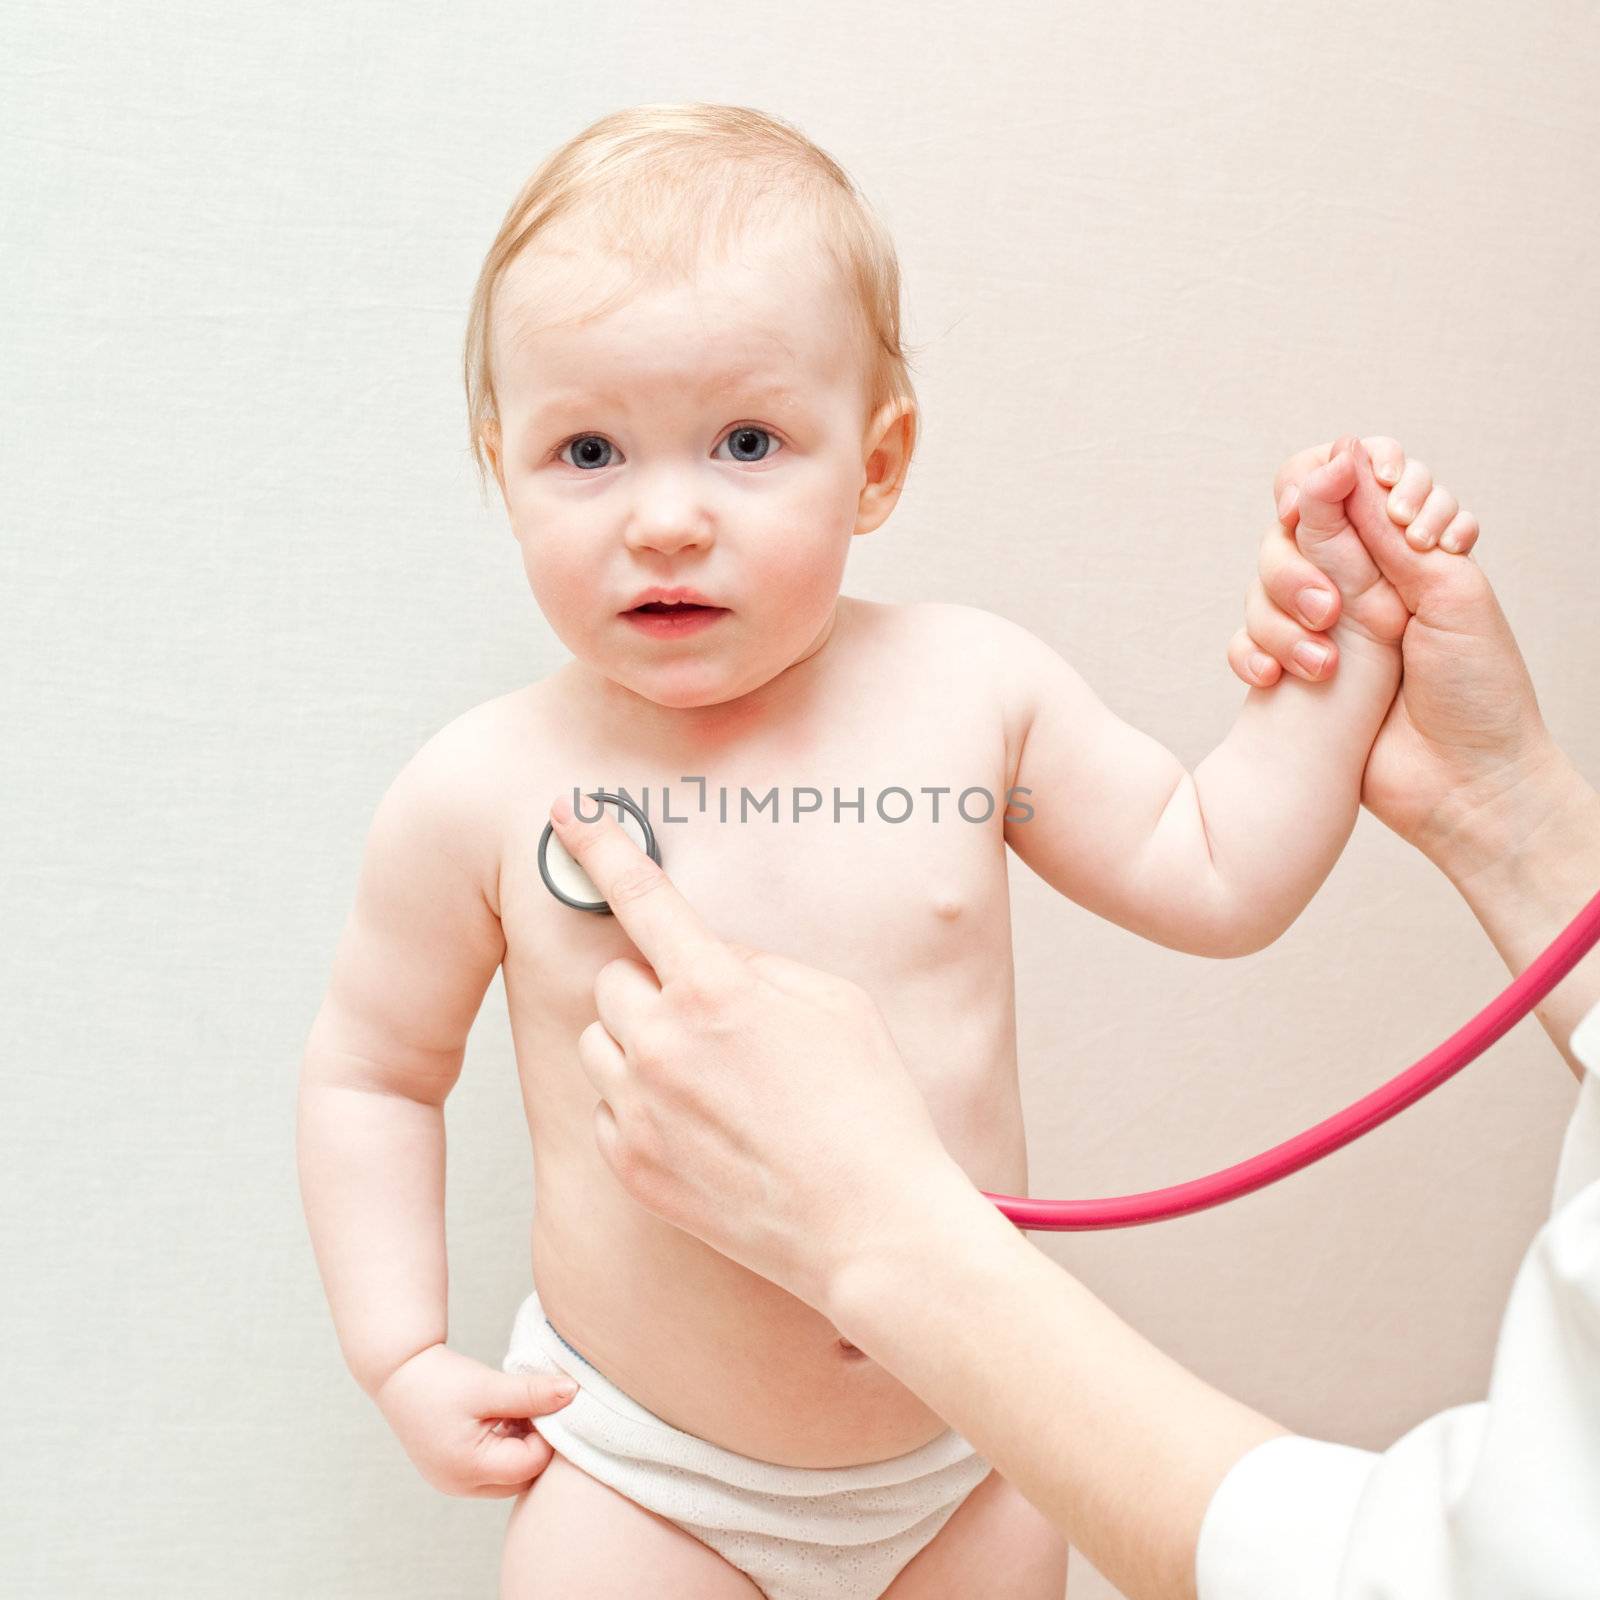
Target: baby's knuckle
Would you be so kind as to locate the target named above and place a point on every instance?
(1371, 580)
(1390, 618)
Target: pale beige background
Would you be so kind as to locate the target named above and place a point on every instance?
(1150, 253)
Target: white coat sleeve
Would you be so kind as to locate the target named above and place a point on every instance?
(1499, 1500)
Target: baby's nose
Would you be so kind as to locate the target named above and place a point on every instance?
(669, 534)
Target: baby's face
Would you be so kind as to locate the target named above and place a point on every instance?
(709, 436)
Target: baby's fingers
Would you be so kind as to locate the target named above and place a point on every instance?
(1407, 497)
(506, 1465)
(1437, 513)
(1461, 534)
(516, 1394)
(1388, 462)
(510, 1453)
(1442, 522)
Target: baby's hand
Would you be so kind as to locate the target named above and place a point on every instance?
(1334, 499)
(1427, 511)
(1290, 605)
(464, 1424)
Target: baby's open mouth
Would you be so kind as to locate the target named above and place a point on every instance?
(673, 619)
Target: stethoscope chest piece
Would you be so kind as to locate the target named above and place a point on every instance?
(566, 880)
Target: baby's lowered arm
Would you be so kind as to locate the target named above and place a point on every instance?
(1216, 862)
(415, 958)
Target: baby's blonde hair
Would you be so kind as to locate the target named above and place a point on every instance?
(660, 182)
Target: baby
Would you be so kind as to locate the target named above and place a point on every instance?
(685, 371)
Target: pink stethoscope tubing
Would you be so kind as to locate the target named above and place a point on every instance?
(1468, 1042)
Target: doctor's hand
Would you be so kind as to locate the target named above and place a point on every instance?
(1464, 740)
(748, 1099)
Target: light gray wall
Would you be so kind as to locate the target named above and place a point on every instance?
(247, 574)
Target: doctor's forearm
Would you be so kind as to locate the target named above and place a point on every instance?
(1117, 1443)
(1526, 861)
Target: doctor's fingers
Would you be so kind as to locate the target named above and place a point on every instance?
(1270, 630)
(783, 972)
(625, 992)
(664, 927)
(602, 1060)
(625, 1129)
(1292, 582)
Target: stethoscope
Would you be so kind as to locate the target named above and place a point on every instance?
(571, 885)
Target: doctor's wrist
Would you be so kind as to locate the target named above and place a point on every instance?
(1504, 836)
(898, 1247)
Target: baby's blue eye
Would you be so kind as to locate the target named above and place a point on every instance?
(590, 443)
(744, 438)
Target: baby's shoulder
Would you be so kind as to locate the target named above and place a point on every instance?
(464, 754)
(455, 784)
(951, 634)
(977, 664)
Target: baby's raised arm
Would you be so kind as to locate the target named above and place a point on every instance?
(1219, 861)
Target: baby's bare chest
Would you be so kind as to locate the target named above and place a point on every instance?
(876, 852)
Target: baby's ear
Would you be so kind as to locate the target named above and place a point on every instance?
(1367, 507)
(891, 438)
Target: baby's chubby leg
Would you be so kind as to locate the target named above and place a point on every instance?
(997, 1545)
(571, 1537)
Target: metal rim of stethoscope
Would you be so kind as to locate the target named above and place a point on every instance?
(652, 849)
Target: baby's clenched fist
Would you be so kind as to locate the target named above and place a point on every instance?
(465, 1425)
